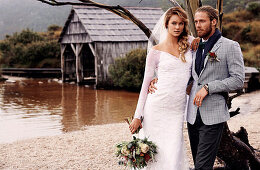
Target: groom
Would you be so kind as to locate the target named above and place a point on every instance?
(218, 68)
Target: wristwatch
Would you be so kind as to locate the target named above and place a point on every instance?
(206, 86)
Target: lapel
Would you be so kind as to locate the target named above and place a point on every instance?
(194, 74)
(214, 49)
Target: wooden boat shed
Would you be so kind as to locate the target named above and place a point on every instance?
(93, 37)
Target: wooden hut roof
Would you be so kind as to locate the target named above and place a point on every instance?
(101, 25)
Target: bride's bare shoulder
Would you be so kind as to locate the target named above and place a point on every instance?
(157, 47)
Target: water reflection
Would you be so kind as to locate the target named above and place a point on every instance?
(32, 108)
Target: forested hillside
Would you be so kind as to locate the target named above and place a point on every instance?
(17, 15)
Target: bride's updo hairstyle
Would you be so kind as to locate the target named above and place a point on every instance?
(183, 38)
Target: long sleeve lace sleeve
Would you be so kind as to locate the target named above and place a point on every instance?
(152, 60)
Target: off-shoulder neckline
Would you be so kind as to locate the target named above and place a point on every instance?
(165, 52)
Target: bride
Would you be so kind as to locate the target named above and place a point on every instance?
(163, 111)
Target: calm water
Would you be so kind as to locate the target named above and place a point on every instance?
(33, 108)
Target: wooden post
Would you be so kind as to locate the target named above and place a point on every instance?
(191, 6)
(79, 71)
(62, 49)
(95, 56)
(220, 13)
(80, 67)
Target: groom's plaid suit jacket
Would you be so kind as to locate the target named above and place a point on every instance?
(223, 76)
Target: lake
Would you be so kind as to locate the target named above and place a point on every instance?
(40, 107)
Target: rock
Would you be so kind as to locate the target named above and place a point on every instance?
(10, 81)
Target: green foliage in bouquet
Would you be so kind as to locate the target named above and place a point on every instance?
(136, 153)
(127, 72)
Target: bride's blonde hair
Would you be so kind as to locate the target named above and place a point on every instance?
(183, 38)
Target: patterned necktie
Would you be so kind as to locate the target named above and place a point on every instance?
(202, 45)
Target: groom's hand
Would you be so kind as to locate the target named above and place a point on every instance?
(200, 95)
(152, 87)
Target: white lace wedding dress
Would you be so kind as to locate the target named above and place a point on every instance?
(163, 111)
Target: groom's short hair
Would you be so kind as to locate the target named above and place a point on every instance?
(211, 12)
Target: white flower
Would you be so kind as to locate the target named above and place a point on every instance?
(123, 159)
(125, 151)
(144, 147)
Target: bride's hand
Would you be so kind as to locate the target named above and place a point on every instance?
(195, 44)
(152, 87)
(135, 124)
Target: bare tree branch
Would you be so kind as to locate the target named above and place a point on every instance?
(118, 10)
(54, 3)
(175, 3)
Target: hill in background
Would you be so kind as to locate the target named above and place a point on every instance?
(17, 15)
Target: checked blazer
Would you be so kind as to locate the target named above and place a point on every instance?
(221, 76)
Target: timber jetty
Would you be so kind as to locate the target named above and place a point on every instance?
(32, 72)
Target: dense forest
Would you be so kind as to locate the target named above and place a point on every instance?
(17, 15)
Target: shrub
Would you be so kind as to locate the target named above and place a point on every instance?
(252, 56)
(25, 37)
(238, 16)
(254, 35)
(254, 8)
(233, 30)
(245, 33)
(242, 32)
(128, 71)
(53, 28)
(5, 46)
(29, 49)
(53, 32)
(246, 46)
(39, 51)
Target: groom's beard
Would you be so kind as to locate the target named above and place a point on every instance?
(206, 32)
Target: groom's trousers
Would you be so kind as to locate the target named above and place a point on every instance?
(204, 141)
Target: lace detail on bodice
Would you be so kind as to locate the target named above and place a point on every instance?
(173, 75)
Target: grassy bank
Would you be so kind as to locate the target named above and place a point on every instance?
(243, 26)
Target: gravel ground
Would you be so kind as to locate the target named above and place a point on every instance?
(93, 147)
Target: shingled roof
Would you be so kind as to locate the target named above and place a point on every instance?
(101, 25)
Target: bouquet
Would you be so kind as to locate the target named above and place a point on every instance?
(136, 153)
